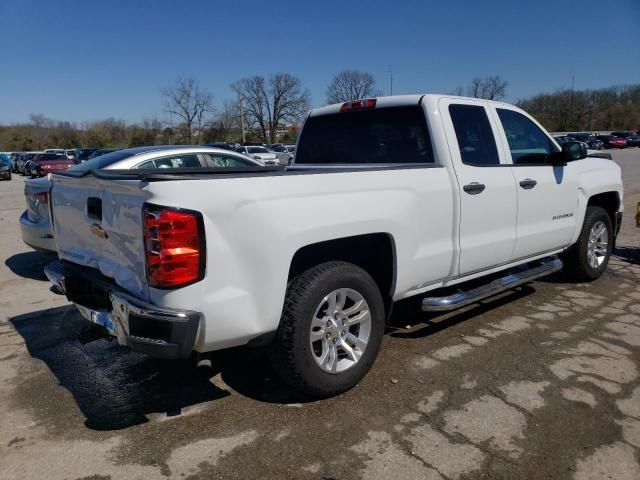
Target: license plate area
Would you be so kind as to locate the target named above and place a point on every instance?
(99, 317)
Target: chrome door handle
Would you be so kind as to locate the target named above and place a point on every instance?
(474, 188)
(528, 183)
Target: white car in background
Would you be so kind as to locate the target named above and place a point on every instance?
(284, 152)
(260, 153)
(35, 221)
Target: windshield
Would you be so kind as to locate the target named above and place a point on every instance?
(380, 135)
(257, 150)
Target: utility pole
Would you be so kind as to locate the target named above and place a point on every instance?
(242, 119)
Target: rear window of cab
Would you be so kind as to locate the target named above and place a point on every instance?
(392, 135)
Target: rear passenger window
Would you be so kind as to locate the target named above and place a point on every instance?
(528, 144)
(475, 137)
(178, 161)
(228, 161)
(369, 136)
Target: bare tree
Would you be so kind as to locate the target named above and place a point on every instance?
(190, 103)
(226, 119)
(273, 103)
(495, 88)
(475, 89)
(153, 125)
(489, 88)
(458, 92)
(351, 85)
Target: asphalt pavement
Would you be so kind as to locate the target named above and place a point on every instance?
(542, 382)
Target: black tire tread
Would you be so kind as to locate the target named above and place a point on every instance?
(281, 355)
(575, 262)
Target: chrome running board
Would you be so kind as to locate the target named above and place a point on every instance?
(510, 280)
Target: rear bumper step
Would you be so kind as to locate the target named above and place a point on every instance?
(508, 281)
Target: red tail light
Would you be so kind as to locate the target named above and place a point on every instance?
(358, 105)
(174, 247)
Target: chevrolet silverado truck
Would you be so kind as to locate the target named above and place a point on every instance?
(388, 198)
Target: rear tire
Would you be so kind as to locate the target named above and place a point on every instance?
(330, 331)
(588, 258)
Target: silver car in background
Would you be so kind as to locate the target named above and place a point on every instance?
(35, 221)
(260, 153)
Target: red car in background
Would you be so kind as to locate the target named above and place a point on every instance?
(44, 163)
(611, 141)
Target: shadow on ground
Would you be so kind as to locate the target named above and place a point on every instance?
(30, 264)
(629, 254)
(116, 388)
(408, 312)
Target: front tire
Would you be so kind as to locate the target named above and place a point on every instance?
(588, 258)
(330, 331)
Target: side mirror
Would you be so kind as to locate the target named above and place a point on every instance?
(573, 151)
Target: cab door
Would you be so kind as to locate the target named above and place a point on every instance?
(486, 186)
(547, 194)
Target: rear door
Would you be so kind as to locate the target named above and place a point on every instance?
(547, 194)
(487, 191)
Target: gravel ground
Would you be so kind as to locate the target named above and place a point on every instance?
(542, 382)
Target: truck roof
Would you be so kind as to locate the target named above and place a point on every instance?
(398, 101)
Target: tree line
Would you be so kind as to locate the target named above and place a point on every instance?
(605, 109)
(270, 109)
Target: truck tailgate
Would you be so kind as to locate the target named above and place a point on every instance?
(98, 224)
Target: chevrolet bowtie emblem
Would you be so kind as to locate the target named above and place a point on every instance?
(98, 231)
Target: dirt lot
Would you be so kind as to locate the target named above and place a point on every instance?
(541, 383)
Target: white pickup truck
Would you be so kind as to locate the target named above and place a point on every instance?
(388, 198)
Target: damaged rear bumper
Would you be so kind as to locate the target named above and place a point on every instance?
(156, 331)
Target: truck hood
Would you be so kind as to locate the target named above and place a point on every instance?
(98, 224)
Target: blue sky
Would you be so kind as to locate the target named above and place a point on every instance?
(86, 60)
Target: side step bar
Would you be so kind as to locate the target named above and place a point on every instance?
(511, 280)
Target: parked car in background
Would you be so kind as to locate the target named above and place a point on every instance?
(22, 160)
(260, 153)
(5, 167)
(223, 145)
(588, 138)
(35, 223)
(83, 154)
(71, 154)
(623, 134)
(9, 159)
(59, 151)
(611, 141)
(285, 156)
(45, 163)
(562, 139)
(633, 140)
(102, 151)
(12, 158)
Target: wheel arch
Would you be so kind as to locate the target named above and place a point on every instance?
(610, 202)
(373, 252)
